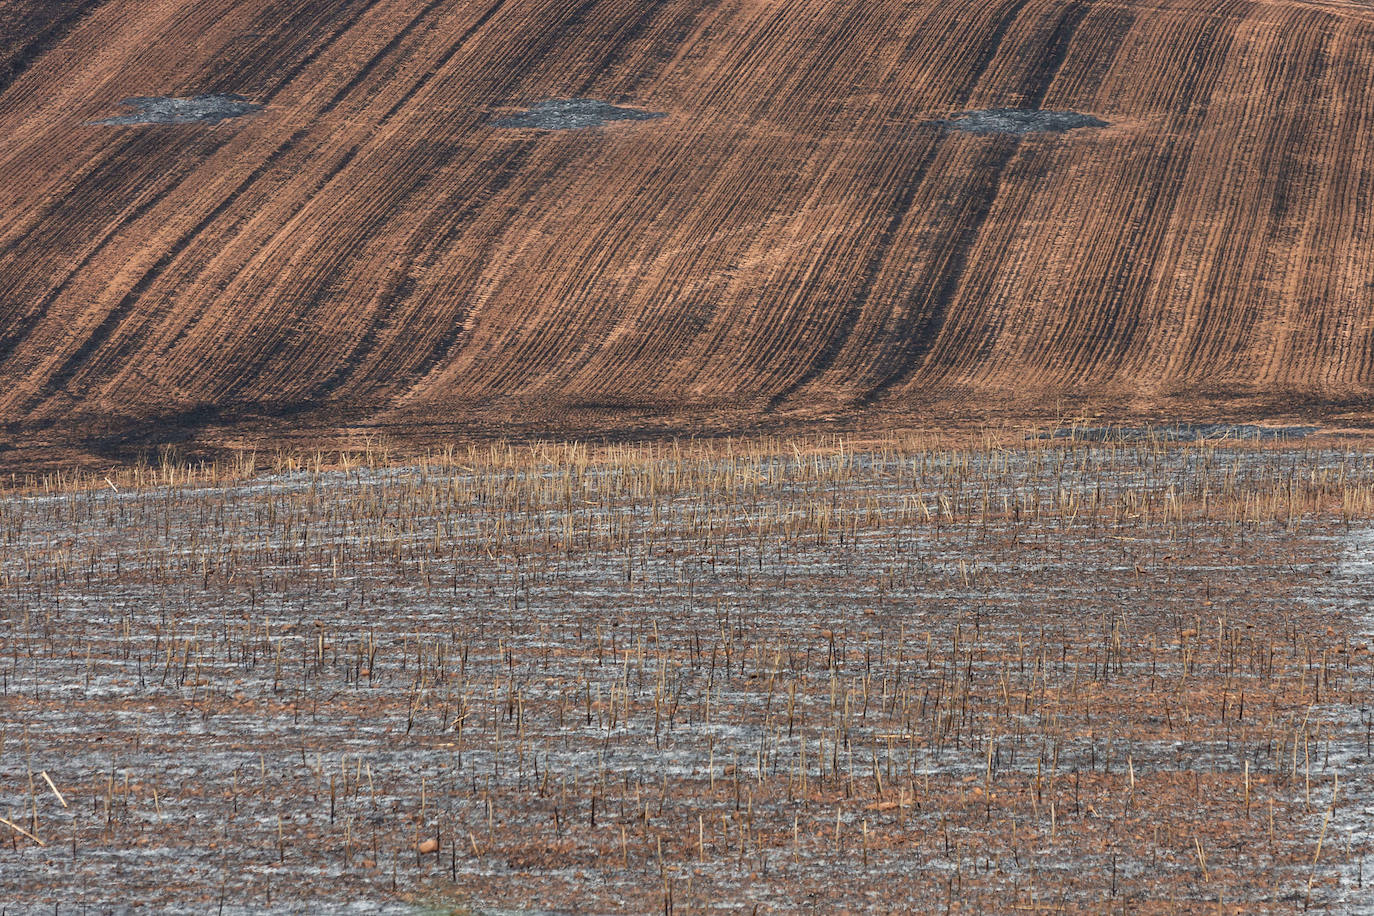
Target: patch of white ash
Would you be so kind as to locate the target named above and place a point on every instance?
(210, 108)
(1349, 832)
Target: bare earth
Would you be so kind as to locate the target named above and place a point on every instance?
(1107, 678)
(796, 239)
(1108, 669)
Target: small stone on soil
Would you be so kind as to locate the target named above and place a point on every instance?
(169, 110)
(1017, 121)
(572, 114)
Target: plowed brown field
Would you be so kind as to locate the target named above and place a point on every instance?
(791, 242)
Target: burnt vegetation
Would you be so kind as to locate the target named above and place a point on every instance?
(647, 679)
(1123, 664)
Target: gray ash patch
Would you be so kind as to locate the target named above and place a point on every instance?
(159, 109)
(1182, 432)
(573, 114)
(1017, 121)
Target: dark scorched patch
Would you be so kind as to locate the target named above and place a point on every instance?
(157, 109)
(572, 114)
(1017, 121)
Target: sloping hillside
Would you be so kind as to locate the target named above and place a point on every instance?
(795, 238)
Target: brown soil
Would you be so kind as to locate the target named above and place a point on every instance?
(790, 243)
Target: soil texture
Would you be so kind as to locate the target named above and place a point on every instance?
(790, 247)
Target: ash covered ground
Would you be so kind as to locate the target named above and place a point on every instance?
(1048, 676)
(1017, 121)
(211, 108)
(574, 114)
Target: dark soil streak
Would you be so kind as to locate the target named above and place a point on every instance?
(382, 54)
(116, 317)
(102, 183)
(839, 338)
(348, 22)
(12, 69)
(97, 338)
(1113, 25)
(916, 338)
(942, 287)
(849, 318)
(448, 343)
(21, 328)
(468, 34)
(17, 333)
(1120, 316)
(501, 170)
(346, 373)
(1294, 140)
(618, 50)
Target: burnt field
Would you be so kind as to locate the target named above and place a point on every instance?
(767, 676)
(259, 220)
